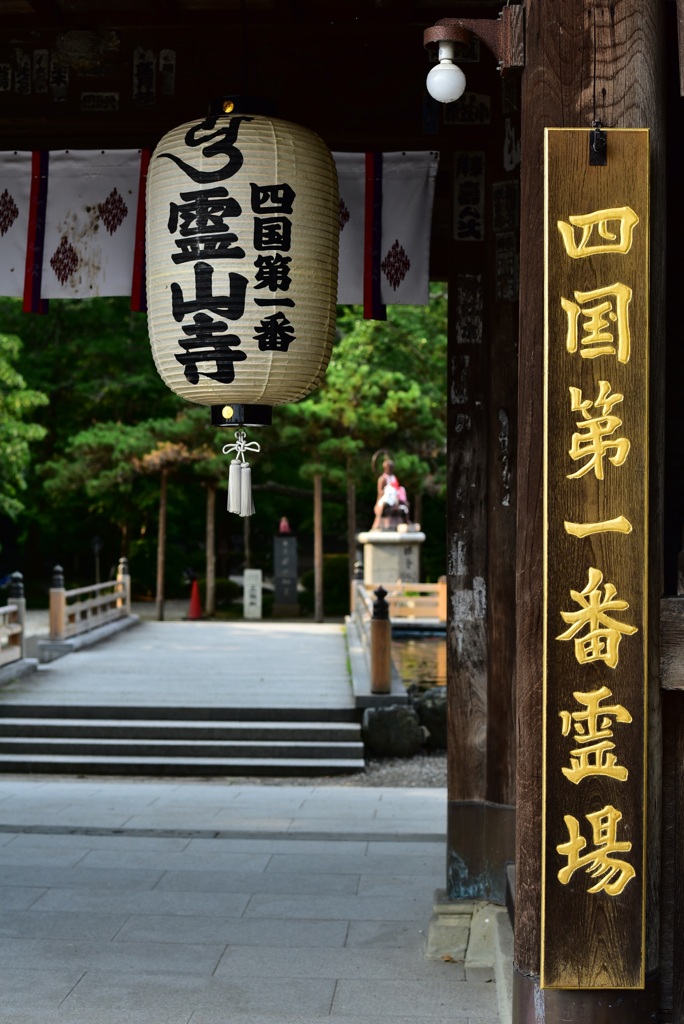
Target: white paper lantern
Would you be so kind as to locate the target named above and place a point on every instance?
(242, 243)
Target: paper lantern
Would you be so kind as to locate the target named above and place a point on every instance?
(242, 246)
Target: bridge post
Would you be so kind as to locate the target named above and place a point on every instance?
(357, 577)
(380, 644)
(123, 576)
(57, 604)
(16, 596)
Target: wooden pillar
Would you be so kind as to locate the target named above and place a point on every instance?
(318, 548)
(567, 44)
(466, 587)
(161, 541)
(210, 596)
(247, 541)
(351, 522)
(481, 431)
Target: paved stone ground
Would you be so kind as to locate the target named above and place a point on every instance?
(216, 902)
(206, 664)
(197, 903)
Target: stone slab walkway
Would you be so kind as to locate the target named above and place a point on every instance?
(182, 902)
(209, 903)
(204, 664)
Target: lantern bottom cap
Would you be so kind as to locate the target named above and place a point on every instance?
(239, 415)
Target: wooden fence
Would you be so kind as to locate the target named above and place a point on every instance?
(12, 617)
(84, 608)
(406, 600)
(11, 634)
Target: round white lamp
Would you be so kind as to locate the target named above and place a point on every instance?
(445, 81)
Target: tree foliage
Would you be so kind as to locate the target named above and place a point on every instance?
(17, 433)
(384, 389)
(111, 426)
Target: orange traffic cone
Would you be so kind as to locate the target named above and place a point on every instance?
(195, 610)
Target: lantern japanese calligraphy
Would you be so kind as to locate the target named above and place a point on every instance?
(242, 247)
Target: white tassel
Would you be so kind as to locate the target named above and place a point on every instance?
(246, 502)
(240, 476)
(234, 486)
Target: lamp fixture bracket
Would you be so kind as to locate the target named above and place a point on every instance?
(505, 37)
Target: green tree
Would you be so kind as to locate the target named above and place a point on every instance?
(107, 460)
(17, 404)
(92, 359)
(384, 389)
(109, 408)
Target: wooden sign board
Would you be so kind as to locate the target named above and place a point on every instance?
(595, 559)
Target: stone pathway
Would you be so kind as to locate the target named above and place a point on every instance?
(200, 664)
(206, 903)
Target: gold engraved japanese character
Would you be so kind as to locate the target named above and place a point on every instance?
(617, 525)
(612, 873)
(600, 219)
(603, 633)
(606, 325)
(593, 733)
(592, 441)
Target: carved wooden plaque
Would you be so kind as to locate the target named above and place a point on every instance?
(595, 559)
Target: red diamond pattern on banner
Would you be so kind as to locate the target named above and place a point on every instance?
(344, 214)
(9, 211)
(396, 264)
(113, 211)
(64, 260)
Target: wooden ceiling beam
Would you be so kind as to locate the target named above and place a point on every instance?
(48, 11)
(161, 14)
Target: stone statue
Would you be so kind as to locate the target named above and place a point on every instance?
(391, 506)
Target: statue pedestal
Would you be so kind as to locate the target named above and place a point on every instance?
(389, 556)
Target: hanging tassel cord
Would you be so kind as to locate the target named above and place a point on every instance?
(240, 477)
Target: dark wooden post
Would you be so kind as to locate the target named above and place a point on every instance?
(351, 520)
(161, 541)
(576, 51)
(481, 431)
(318, 548)
(210, 598)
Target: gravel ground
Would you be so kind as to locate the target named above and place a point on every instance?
(424, 770)
(429, 770)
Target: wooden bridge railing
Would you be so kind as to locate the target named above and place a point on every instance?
(12, 617)
(84, 608)
(406, 600)
(402, 601)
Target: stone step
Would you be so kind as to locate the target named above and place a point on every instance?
(180, 741)
(161, 728)
(186, 712)
(145, 749)
(208, 766)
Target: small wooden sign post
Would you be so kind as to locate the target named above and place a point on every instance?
(596, 426)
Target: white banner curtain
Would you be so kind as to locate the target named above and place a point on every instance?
(68, 224)
(90, 223)
(71, 225)
(401, 218)
(15, 199)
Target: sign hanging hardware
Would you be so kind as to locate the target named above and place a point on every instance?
(598, 146)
